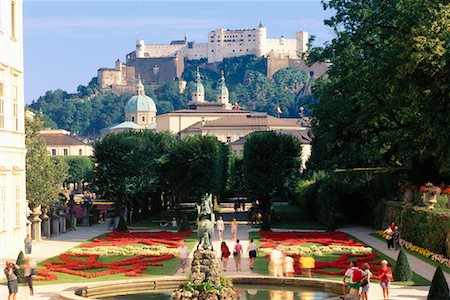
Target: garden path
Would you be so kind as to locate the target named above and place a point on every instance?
(417, 265)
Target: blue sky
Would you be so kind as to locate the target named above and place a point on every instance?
(65, 42)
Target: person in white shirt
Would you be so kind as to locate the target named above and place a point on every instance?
(252, 253)
(174, 222)
(356, 275)
(182, 256)
(276, 262)
(220, 227)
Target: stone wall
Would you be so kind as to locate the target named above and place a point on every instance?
(157, 70)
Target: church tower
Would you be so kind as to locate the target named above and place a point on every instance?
(222, 93)
(198, 93)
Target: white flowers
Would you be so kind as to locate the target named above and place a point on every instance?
(322, 250)
(127, 250)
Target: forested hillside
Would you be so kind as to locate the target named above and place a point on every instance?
(90, 109)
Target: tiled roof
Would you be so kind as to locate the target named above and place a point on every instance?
(60, 139)
(207, 110)
(252, 120)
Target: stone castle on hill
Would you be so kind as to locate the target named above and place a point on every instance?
(164, 62)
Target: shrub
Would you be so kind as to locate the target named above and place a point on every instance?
(20, 262)
(402, 271)
(122, 226)
(184, 224)
(425, 228)
(439, 287)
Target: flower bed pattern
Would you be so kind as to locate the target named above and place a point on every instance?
(149, 250)
(324, 243)
(442, 259)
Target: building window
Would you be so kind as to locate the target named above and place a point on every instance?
(13, 19)
(80, 152)
(228, 139)
(132, 119)
(66, 152)
(53, 152)
(143, 119)
(2, 106)
(15, 96)
(17, 200)
(3, 202)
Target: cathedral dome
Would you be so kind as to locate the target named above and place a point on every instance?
(140, 102)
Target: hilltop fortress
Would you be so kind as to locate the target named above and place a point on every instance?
(162, 62)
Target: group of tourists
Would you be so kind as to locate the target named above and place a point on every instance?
(282, 264)
(225, 253)
(357, 280)
(12, 271)
(392, 236)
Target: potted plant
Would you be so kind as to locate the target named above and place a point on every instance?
(429, 192)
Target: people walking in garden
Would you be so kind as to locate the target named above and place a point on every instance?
(354, 275)
(389, 240)
(11, 276)
(225, 254)
(307, 263)
(385, 275)
(28, 244)
(220, 227)
(252, 248)
(182, 256)
(365, 283)
(234, 228)
(276, 262)
(237, 254)
(29, 271)
(288, 267)
(396, 238)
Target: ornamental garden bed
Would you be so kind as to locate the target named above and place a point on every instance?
(332, 251)
(117, 255)
(421, 253)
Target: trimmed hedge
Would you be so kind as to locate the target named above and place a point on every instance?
(425, 228)
(402, 270)
(439, 287)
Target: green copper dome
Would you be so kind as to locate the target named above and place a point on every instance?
(140, 102)
(198, 83)
(222, 89)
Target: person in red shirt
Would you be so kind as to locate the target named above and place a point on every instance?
(225, 254)
(385, 275)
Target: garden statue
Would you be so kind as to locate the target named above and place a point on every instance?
(205, 222)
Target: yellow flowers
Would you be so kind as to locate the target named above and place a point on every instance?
(422, 251)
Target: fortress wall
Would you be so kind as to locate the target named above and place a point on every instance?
(154, 70)
(282, 46)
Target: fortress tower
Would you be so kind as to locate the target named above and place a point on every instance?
(261, 40)
(140, 48)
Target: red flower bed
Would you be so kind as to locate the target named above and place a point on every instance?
(291, 238)
(75, 264)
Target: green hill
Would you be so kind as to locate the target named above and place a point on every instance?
(90, 109)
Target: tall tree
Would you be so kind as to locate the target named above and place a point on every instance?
(271, 167)
(44, 174)
(387, 96)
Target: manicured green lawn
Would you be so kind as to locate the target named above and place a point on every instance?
(419, 256)
(152, 222)
(293, 217)
(261, 264)
(169, 267)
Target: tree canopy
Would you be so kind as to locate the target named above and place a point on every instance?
(386, 99)
(44, 174)
(271, 167)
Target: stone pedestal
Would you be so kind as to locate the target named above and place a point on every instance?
(62, 220)
(85, 214)
(205, 268)
(46, 225)
(36, 224)
(55, 223)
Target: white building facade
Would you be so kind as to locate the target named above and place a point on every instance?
(13, 206)
(225, 43)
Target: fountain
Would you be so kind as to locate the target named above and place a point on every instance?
(206, 280)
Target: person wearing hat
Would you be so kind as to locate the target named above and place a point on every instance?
(385, 275)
